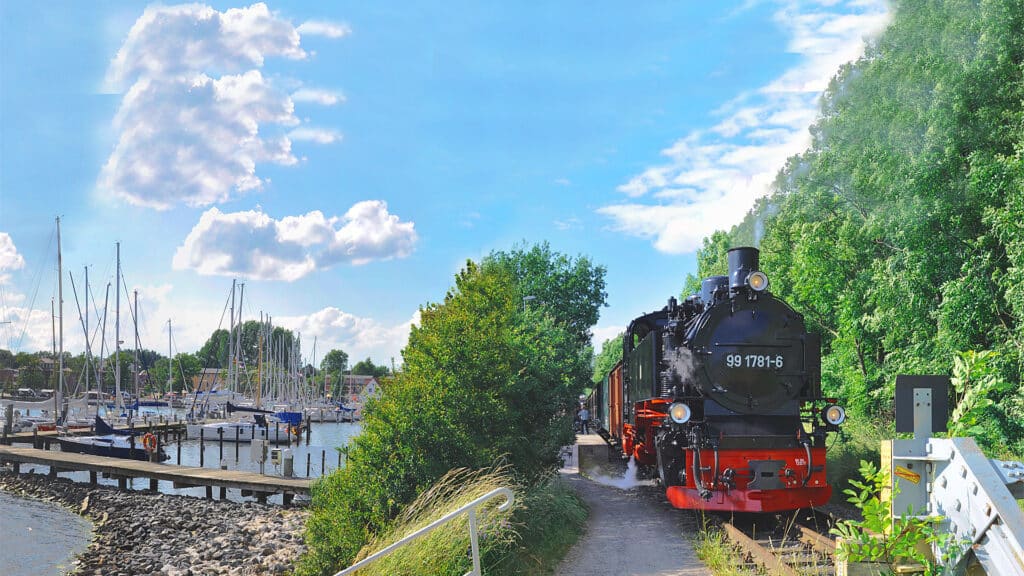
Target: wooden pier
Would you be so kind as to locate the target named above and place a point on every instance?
(167, 429)
(250, 483)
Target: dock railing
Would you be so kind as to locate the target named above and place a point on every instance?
(470, 509)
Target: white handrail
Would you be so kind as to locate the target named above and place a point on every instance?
(468, 508)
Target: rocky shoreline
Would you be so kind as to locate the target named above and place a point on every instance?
(138, 532)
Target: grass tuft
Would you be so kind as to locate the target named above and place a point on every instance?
(446, 549)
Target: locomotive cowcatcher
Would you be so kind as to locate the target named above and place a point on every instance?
(720, 397)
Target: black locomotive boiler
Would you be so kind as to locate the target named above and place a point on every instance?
(720, 397)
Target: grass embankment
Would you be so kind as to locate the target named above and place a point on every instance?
(528, 539)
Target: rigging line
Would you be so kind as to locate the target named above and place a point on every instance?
(35, 292)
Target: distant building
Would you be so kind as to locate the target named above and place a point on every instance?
(355, 388)
(209, 379)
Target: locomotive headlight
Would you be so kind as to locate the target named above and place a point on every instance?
(679, 413)
(835, 415)
(757, 281)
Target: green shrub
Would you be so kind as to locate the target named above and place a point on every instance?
(484, 380)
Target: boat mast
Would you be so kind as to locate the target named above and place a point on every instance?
(53, 335)
(117, 335)
(231, 342)
(60, 308)
(88, 365)
(170, 358)
(259, 362)
(135, 361)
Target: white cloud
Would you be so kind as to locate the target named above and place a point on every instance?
(563, 182)
(711, 177)
(316, 96)
(571, 223)
(318, 135)
(251, 244)
(358, 336)
(10, 259)
(198, 118)
(601, 333)
(324, 28)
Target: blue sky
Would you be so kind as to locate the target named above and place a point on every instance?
(344, 159)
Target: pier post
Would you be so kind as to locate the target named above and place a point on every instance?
(277, 432)
(153, 485)
(307, 463)
(323, 461)
(238, 436)
(8, 421)
(286, 499)
(35, 438)
(209, 492)
(122, 483)
(92, 477)
(220, 434)
(177, 437)
(202, 446)
(309, 427)
(339, 458)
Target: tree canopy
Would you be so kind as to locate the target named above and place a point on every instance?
(898, 233)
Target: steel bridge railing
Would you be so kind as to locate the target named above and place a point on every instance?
(470, 509)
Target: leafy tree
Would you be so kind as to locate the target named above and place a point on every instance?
(214, 353)
(368, 368)
(611, 353)
(488, 380)
(335, 361)
(570, 290)
(6, 359)
(897, 233)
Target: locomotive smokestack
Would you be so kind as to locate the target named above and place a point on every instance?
(742, 261)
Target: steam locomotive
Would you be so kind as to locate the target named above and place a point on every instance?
(719, 396)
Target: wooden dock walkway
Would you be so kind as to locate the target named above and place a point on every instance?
(250, 483)
(165, 428)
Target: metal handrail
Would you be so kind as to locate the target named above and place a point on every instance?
(469, 509)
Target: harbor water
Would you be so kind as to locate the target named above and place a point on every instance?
(39, 538)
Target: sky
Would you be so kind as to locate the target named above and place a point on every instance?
(343, 160)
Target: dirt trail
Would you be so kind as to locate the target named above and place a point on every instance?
(631, 532)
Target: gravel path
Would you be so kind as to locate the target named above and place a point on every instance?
(137, 533)
(631, 532)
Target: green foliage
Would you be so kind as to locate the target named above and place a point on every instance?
(570, 290)
(483, 380)
(872, 539)
(334, 362)
(368, 368)
(898, 232)
(611, 353)
(443, 550)
(711, 261)
(214, 353)
(975, 382)
(548, 523)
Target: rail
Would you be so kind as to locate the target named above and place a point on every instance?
(469, 509)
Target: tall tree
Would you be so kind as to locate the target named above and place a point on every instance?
(368, 368)
(570, 290)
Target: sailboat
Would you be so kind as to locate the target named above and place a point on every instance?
(110, 443)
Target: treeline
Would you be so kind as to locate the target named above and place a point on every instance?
(490, 376)
(898, 233)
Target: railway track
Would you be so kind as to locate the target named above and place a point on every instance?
(784, 547)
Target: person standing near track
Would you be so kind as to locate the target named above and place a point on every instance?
(584, 420)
